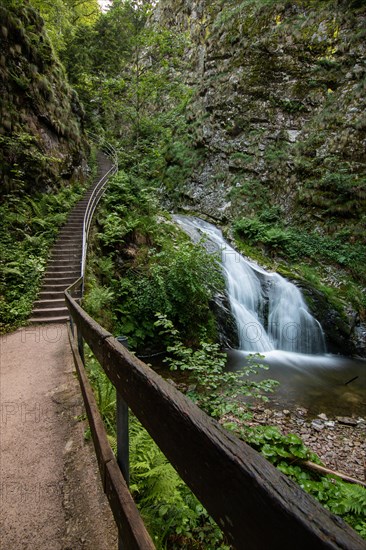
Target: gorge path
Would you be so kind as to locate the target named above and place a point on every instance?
(51, 493)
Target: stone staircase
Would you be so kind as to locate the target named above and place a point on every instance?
(64, 264)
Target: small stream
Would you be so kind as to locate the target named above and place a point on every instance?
(273, 319)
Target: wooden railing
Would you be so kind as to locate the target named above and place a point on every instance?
(255, 505)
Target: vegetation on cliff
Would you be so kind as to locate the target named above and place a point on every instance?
(42, 155)
(42, 147)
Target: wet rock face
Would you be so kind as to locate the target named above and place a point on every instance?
(227, 329)
(278, 99)
(41, 118)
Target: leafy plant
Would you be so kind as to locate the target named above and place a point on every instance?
(105, 393)
(216, 390)
(173, 515)
(29, 227)
(98, 302)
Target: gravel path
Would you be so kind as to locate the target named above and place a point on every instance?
(51, 495)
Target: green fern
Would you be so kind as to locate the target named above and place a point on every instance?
(113, 442)
(173, 515)
(353, 499)
(350, 503)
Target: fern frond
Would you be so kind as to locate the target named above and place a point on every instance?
(354, 499)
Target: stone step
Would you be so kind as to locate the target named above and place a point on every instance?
(46, 319)
(67, 257)
(77, 227)
(49, 304)
(65, 252)
(65, 262)
(51, 295)
(68, 242)
(68, 236)
(59, 247)
(65, 238)
(55, 287)
(54, 312)
(61, 272)
(72, 227)
(67, 281)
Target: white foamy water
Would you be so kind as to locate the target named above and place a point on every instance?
(269, 310)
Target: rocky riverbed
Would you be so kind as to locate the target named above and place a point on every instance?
(340, 442)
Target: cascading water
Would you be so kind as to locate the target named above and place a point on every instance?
(269, 311)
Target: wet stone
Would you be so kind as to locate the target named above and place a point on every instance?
(347, 420)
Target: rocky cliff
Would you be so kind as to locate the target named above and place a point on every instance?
(280, 104)
(278, 116)
(41, 118)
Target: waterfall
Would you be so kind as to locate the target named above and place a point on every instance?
(269, 311)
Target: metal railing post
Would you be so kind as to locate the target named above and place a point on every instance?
(81, 346)
(123, 455)
(72, 326)
(123, 444)
(123, 458)
(123, 450)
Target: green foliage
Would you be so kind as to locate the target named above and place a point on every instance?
(98, 303)
(296, 244)
(29, 227)
(38, 108)
(129, 70)
(152, 267)
(27, 161)
(64, 17)
(104, 391)
(214, 389)
(172, 514)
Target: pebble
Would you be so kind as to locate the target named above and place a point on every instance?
(329, 424)
(340, 442)
(317, 425)
(347, 420)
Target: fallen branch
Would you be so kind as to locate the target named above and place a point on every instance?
(324, 470)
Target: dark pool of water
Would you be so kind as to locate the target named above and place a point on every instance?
(328, 384)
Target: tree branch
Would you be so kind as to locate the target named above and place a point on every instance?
(323, 470)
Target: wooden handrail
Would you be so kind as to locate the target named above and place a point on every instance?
(255, 505)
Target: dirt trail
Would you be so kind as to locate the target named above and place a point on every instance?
(51, 495)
